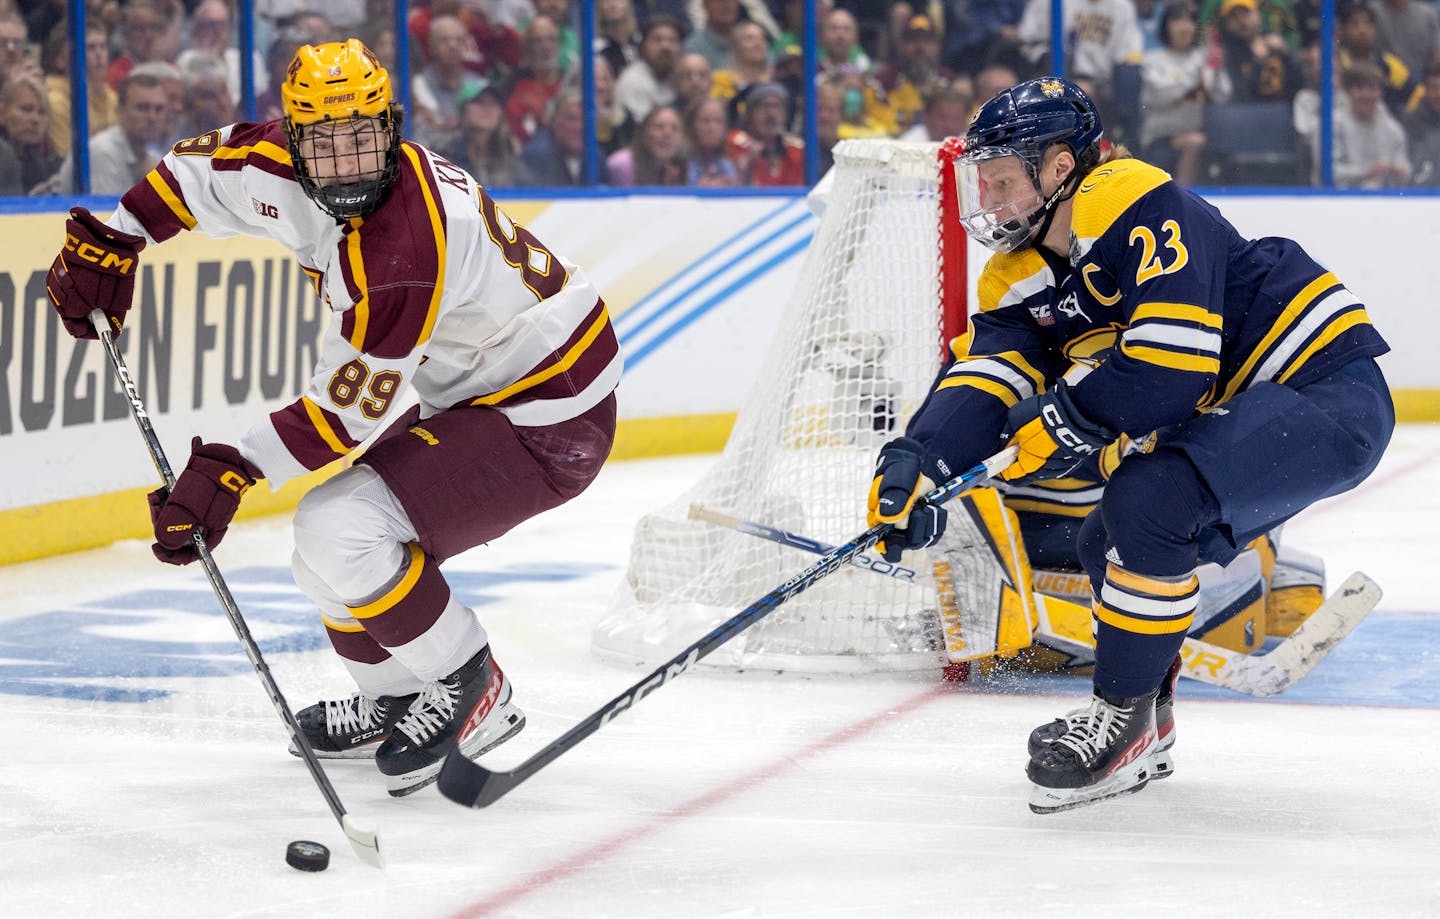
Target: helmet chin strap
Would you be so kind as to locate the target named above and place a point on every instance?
(1045, 214)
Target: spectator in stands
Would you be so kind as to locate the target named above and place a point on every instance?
(947, 113)
(1422, 131)
(906, 82)
(208, 103)
(860, 99)
(613, 126)
(646, 82)
(748, 64)
(27, 160)
(1305, 109)
(1369, 142)
(1148, 14)
(1253, 66)
(1357, 40)
(991, 80)
(174, 85)
(677, 10)
(706, 126)
(277, 58)
(555, 156)
(985, 32)
(1173, 96)
(617, 36)
(210, 31)
(485, 147)
(435, 90)
(145, 37)
(14, 43)
(765, 154)
(840, 44)
(693, 80)
(656, 155)
(537, 81)
(495, 49)
(56, 60)
(1409, 30)
(562, 14)
(1277, 17)
(828, 103)
(713, 40)
(121, 154)
(1100, 35)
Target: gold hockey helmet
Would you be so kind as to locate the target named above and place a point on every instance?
(341, 84)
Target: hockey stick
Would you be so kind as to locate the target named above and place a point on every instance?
(786, 538)
(1251, 674)
(471, 784)
(363, 840)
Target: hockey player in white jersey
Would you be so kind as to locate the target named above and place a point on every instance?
(434, 289)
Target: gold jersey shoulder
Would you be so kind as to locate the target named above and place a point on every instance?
(1009, 273)
(1107, 192)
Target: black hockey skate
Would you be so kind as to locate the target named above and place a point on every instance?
(350, 728)
(1107, 753)
(471, 708)
(1163, 765)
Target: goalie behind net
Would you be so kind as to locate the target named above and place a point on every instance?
(857, 351)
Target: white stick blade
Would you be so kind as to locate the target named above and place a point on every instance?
(364, 841)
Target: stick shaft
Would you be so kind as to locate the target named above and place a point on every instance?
(223, 595)
(471, 784)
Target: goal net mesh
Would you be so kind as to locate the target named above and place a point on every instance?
(855, 354)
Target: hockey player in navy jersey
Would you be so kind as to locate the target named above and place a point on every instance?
(434, 290)
(1237, 386)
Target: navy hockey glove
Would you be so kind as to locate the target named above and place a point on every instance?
(205, 497)
(900, 481)
(1053, 436)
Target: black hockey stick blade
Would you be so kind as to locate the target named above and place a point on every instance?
(467, 782)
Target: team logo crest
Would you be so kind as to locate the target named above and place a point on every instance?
(1053, 88)
(336, 71)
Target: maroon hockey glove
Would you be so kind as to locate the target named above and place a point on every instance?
(205, 497)
(95, 270)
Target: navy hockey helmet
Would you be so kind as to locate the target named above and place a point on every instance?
(1022, 123)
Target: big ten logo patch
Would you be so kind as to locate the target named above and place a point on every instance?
(265, 209)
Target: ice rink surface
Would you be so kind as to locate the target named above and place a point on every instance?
(145, 773)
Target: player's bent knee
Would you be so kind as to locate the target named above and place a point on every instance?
(350, 530)
(1154, 508)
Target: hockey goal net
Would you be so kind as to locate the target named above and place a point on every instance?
(881, 290)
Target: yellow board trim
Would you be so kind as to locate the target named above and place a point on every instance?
(397, 593)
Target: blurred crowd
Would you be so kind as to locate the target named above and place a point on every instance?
(712, 93)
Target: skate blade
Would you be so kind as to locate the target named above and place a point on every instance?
(1054, 800)
(511, 720)
(367, 751)
(1162, 766)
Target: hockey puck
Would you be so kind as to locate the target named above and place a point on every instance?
(307, 856)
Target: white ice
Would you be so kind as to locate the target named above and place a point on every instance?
(720, 795)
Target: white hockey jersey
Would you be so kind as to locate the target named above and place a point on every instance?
(437, 290)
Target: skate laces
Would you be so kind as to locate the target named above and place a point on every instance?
(431, 711)
(359, 712)
(1095, 729)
